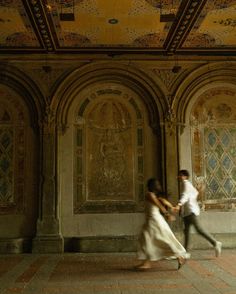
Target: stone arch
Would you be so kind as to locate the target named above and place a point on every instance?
(88, 92)
(152, 94)
(197, 81)
(30, 93)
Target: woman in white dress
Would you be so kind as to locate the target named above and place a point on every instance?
(157, 240)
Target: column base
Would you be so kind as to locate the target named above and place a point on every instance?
(15, 245)
(48, 244)
(101, 244)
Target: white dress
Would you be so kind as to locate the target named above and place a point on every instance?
(157, 240)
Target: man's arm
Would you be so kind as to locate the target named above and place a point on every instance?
(183, 198)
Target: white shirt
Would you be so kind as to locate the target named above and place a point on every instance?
(188, 199)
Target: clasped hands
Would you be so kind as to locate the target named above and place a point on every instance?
(174, 209)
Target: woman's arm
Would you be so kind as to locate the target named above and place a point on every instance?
(166, 203)
(153, 199)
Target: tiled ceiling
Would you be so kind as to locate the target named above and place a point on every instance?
(118, 26)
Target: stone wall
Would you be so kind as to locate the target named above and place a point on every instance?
(86, 134)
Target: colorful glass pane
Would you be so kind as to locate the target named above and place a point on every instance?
(211, 139)
(226, 162)
(228, 185)
(212, 162)
(225, 139)
(214, 186)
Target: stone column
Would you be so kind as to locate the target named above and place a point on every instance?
(171, 155)
(172, 167)
(48, 237)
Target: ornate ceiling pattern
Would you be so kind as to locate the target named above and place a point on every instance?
(140, 26)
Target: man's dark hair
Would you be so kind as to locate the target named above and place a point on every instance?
(184, 172)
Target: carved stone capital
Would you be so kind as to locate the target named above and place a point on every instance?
(48, 124)
(61, 128)
(170, 122)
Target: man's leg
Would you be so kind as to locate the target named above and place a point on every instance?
(187, 224)
(195, 222)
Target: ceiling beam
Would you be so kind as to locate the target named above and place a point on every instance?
(187, 15)
(38, 11)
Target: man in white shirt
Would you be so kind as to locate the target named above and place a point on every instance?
(190, 211)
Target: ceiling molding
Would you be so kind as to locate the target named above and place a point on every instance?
(200, 27)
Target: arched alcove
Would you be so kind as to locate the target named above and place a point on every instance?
(206, 148)
(204, 80)
(107, 148)
(18, 173)
(21, 105)
(212, 123)
(207, 95)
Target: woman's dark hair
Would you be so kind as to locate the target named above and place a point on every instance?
(184, 172)
(154, 185)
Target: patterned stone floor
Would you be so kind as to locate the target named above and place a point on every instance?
(115, 274)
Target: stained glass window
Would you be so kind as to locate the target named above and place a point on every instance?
(214, 146)
(220, 159)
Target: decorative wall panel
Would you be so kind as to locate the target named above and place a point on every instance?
(109, 153)
(214, 145)
(12, 154)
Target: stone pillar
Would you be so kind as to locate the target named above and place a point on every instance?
(171, 155)
(48, 238)
(172, 167)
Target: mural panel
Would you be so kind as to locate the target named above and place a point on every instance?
(98, 23)
(110, 142)
(109, 153)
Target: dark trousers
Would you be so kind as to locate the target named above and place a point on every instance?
(192, 220)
